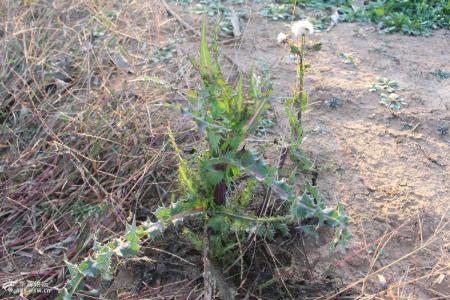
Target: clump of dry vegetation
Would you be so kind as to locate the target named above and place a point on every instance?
(83, 116)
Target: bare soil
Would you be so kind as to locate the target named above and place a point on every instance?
(394, 181)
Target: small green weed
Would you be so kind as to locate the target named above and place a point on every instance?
(317, 5)
(392, 100)
(222, 12)
(388, 96)
(442, 129)
(405, 125)
(334, 102)
(385, 85)
(412, 17)
(165, 53)
(441, 74)
(278, 12)
(347, 58)
(210, 8)
(264, 127)
(418, 17)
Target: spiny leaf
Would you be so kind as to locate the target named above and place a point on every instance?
(302, 207)
(213, 177)
(313, 191)
(282, 228)
(214, 141)
(87, 268)
(131, 247)
(270, 232)
(310, 230)
(219, 224)
(153, 229)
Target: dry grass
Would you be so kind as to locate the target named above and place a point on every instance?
(84, 116)
(408, 284)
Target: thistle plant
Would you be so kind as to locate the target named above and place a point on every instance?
(225, 116)
(296, 104)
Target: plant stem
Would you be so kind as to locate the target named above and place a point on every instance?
(298, 94)
(286, 219)
(300, 82)
(221, 188)
(298, 99)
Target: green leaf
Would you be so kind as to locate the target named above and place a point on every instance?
(73, 269)
(379, 11)
(103, 254)
(295, 50)
(214, 140)
(219, 224)
(131, 235)
(87, 268)
(282, 228)
(163, 213)
(270, 232)
(304, 101)
(317, 46)
(205, 57)
(313, 191)
(127, 249)
(213, 177)
(209, 174)
(64, 294)
(250, 163)
(131, 246)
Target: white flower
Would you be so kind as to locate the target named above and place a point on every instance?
(281, 38)
(301, 28)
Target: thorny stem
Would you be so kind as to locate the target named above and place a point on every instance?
(298, 95)
(300, 82)
(285, 219)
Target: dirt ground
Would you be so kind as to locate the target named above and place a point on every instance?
(395, 183)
